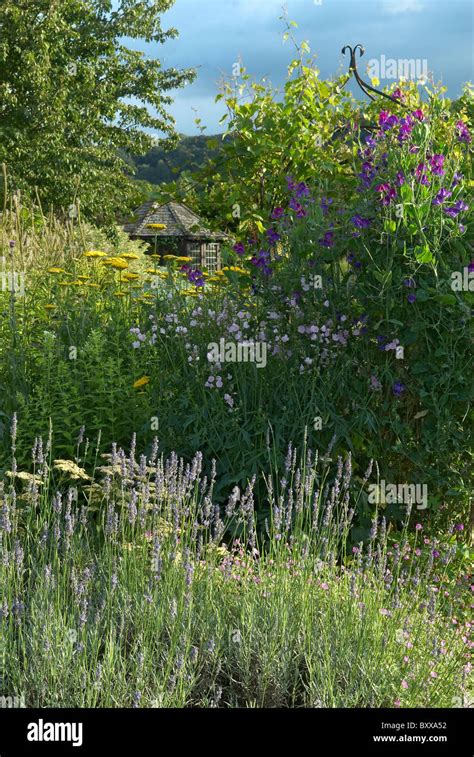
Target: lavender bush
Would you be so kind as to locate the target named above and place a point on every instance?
(131, 587)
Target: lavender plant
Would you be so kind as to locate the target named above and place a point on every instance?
(127, 588)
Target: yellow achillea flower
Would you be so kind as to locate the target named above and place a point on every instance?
(120, 265)
(120, 294)
(234, 268)
(184, 259)
(90, 284)
(156, 226)
(170, 257)
(129, 276)
(84, 278)
(95, 254)
(143, 381)
(56, 270)
(129, 256)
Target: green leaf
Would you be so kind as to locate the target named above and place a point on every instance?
(446, 299)
(423, 254)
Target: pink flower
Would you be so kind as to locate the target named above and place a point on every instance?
(406, 659)
(434, 674)
(418, 526)
(324, 586)
(397, 703)
(404, 684)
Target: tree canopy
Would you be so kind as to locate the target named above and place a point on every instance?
(74, 97)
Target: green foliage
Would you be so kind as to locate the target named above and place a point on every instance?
(72, 95)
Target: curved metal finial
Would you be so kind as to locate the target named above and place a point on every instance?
(362, 84)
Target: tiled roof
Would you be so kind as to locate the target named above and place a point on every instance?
(179, 220)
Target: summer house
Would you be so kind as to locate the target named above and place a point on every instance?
(174, 229)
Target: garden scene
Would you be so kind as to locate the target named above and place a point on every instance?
(235, 404)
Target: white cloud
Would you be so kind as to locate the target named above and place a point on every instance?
(396, 7)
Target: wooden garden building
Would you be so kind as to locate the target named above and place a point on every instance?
(185, 233)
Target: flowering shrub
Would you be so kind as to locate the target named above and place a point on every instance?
(346, 290)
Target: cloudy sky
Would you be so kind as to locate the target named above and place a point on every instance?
(214, 34)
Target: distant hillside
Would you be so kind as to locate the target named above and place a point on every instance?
(191, 153)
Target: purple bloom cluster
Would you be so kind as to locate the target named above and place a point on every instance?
(463, 133)
(387, 193)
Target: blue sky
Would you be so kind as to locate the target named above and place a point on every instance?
(213, 34)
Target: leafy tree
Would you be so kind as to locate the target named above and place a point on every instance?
(74, 98)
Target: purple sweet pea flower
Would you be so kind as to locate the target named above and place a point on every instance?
(387, 120)
(360, 222)
(419, 115)
(406, 128)
(325, 204)
(411, 297)
(436, 164)
(278, 213)
(398, 388)
(327, 240)
(273, 236)
(387, 193)
(291, 186)
(239, 248)
(421, 175)
(453, 210)
(463, 133)
(410, 283)
(370, 142)
(196, 278)
(398, 94)
(400, 178)
(367, 174)
(261, 261)
(302, 190)
(297, 207)
(457, 177)
(442, 195)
